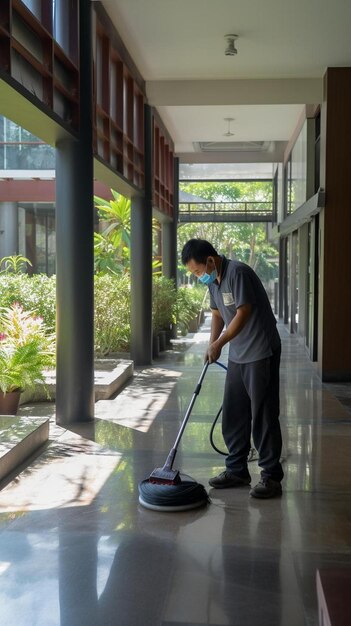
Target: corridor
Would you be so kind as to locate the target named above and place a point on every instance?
(76, 548)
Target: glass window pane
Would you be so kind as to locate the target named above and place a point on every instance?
(40, 244)
(34, 6)
(64, 14)
(51, 247)
(22, 150)
(2, 128)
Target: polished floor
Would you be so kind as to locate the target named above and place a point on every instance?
(76, 548)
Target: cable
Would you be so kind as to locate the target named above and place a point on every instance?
(221, 365)
(216, 420)
(211, 434)
(252, 456)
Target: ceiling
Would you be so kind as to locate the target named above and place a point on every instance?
(179, 45)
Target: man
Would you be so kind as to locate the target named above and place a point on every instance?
(239, 302)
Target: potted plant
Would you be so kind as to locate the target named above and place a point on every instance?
(164, 295)
(26, 350)
(188, 308)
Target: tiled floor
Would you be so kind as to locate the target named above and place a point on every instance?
(76, 548)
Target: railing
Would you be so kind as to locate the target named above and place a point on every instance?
(225, 211)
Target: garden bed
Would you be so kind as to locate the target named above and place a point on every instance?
(110, 375)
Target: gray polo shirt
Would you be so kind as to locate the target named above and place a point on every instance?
(240, 285)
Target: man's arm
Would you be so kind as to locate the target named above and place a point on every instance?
(236, 325)
(217, 325)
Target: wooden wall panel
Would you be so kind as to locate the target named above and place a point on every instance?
(119, 104)
(32, 59)
(163, 185)
(335, 304)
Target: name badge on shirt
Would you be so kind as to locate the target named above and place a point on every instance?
(228, 299)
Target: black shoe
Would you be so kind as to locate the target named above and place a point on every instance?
(266, 488)
(227, 479)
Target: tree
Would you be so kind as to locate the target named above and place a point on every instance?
(230, 191)
(112, 245)
(246, 242)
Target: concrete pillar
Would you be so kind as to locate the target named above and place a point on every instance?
(75, 253)
(141, 258)
(141, 282)
(8, 229)
(169, 250)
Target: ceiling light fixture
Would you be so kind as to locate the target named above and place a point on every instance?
(230, 49)
(229, 133)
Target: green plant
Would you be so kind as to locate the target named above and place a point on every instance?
(112, 244)
(26, 350)
(15, 264)
(20, 367)
(35, 293)
(115, 215)
(105, 256)
(189, 303)
(157, 267)
(164, 298)
(112, 314)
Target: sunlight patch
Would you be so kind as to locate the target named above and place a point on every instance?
(138, 405)
(69, 479)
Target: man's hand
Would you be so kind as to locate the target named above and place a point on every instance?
(213, 352)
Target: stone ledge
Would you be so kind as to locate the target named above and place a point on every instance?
(110, 375)
(20, 438)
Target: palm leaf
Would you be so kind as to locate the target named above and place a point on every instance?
(22, 366)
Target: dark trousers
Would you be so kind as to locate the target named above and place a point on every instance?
(251, 404)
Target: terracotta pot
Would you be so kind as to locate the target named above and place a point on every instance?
(9, 402)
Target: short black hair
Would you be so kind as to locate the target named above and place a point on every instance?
(198, 250)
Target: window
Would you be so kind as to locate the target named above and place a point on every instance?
(20, 150)
(34, 6)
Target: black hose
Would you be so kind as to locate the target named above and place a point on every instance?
(252, 456)
(211, 434)
(216, 420)
(184, 494)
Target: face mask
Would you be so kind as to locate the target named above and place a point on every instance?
(207, 279)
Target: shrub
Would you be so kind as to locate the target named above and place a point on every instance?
(164, 299)
(189, 304)
(112, 314)
(35, 293)
(112, 305)
(25, 349)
